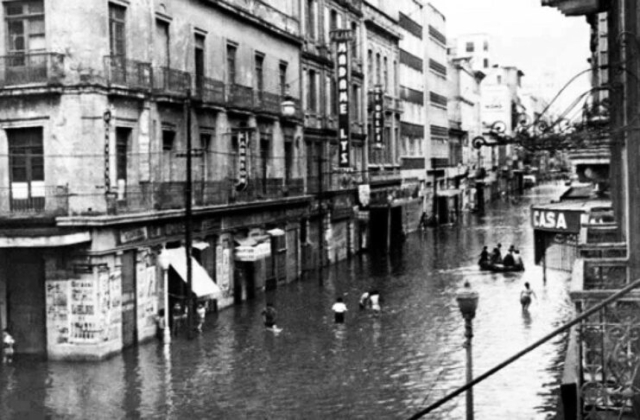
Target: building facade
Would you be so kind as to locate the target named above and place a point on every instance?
(103, 104)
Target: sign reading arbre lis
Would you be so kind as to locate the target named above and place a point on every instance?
(556, 220)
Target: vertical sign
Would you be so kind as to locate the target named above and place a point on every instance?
(342, 39)
(378, 117)
(243, 177)
(107, 164)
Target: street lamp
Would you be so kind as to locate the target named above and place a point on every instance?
(468, 303)
(163, 261)
(288, 105)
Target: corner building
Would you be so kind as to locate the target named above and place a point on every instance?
(97, 100)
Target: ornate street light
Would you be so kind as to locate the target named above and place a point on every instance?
(163, 261)
(468, 303)
(288, 105)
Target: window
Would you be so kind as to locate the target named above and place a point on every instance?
(264, 159)
(485, 63)
(485, 46)
(117, 36)
(499, 79)
(199, 60)
(163, 46)
(355, 103)
(354, 42)
(378, 77)
(122, 147)
(385, 75)
(259, 73)
(370, 63)
(288, 161)
(470, 47)
(395, 77)
(231, 63)
(312, 91)
(311, 18)
(26, 158)
(25, 26)
(205, 146)
(333, 20)
(328, 86)
(283, 78)
(167, 140)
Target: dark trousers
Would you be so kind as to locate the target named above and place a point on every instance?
(339, 317)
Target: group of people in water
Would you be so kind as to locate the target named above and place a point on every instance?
(511, 260)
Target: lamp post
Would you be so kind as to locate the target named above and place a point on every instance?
(163, 260)
(468, 303)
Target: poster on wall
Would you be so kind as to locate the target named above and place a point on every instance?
(85, 320)
(57, 301)
(115, 295)
(146, 299)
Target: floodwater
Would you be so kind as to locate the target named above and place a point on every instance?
(372, 367)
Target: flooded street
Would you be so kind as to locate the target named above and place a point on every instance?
(372, 367)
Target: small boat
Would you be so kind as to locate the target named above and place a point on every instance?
(500, 268)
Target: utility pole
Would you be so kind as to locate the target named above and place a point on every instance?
(188, 219)
(435, 190)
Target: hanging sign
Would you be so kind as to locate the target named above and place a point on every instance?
(243, 173)
(378, 117)
(342, 39)
(107, 164)
(564, 221)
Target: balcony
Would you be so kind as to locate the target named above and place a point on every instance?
(171, 82)
(210, 91)
(129, 74)
(240, 96)
(268, 102)
(334, 181)
(28, 69)
(41, 201)
(578, 7)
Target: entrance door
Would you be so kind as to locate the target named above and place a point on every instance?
(26, 301)
(129, 324)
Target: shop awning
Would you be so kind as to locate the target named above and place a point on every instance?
(276, 232)
(449, 193)
(201, 283)
(200, 245)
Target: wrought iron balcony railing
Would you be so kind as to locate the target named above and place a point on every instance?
(26, 69)
(268, 102)
(240, 96)
(210, 90)
(131, 74)
(168, 81)
(42, 200)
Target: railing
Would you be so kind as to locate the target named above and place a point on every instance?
(210, 90)
(131, 74)
(25, 69)
(604, 274)
(46, 201)
(170, 81)
(240, 96)
(620, 393)
(268, 102)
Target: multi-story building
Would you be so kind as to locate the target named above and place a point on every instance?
(477, 48)
(465, 124)
(333, 231)
(100, 102)
(391, 196)
(500, 110)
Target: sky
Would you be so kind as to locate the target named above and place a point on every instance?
(538, 40)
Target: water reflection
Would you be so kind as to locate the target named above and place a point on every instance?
(382, 367)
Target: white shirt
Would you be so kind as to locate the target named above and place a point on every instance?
(339, 307)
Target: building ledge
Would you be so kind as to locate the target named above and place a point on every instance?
(42, 238)
(105, 221)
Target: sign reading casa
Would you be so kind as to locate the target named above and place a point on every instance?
(556, 220)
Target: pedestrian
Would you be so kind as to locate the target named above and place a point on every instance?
(422, 224)
(201, 312)
(525, 296)
(7, 346)
(496, 255)
(508, 260)
(364, 300)
(269, 314)
(484, 257)
(177, 316)
(160, 324)
(517, 260)
(339, 308)
(374, 298)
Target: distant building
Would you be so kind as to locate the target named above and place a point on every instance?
(478, 48)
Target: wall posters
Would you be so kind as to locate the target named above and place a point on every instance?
(57, 301)
(147, 296)
(342, 40)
